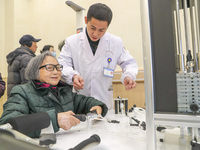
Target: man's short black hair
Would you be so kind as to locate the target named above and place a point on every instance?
(100, 12)
(46, 48)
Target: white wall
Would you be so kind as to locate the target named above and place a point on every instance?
(6, 32)
(2, 39)
(53, 21)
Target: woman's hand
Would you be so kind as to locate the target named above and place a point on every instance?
(66, 120)
(98, 109)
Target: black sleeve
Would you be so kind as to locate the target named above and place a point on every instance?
(2, 86)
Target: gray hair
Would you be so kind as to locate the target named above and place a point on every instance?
(32, 69)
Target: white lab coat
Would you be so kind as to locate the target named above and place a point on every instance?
(77, 58)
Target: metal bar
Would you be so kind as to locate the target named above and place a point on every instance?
(186, 20)
(74, 6)
(197, 23)
(126, 106)
(177, 120)
(148, 75)
(119, 106)
(180, 55)
(178, 28)
(193, 36)
(116, 107)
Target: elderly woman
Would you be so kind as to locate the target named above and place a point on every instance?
(46, 92)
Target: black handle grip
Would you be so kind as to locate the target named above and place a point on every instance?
(31, 122)
(93, 139)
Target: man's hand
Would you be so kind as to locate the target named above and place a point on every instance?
(78, 82)
(66, 120)
(129, 83)
(98, 109)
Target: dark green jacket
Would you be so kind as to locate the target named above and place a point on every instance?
(30, 98)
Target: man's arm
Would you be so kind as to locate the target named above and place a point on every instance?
(129, 68)
(65, 59)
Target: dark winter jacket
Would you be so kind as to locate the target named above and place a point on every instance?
(32, 98)
(2, 86)
(17, 62)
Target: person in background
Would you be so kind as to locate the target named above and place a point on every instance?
(18, 59)
(47, 93)
(61, 44)
(2, 86)
(90, 57)
(49, 48)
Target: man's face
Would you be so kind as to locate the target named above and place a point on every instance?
(96, 29)
(51, 49)
(33, 48)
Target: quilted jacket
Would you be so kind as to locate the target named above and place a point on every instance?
(17, 61)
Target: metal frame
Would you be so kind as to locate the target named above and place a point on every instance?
(177, 120)
(80, 15)
(148, 76)
(152, 116)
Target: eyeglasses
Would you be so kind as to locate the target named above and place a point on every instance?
(50, 67)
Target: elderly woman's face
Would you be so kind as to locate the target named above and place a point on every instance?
(50, 77)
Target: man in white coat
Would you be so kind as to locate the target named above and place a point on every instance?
(90, 58)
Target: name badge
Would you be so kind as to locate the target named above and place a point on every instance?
(108, 72)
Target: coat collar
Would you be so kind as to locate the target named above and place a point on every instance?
(42, 85)
(102, 46)
(29, 51)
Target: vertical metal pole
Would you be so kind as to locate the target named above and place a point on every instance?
(80, 19)
(186, 20)
(80, 15)
(180, 55)
(197, 34)
(178, 28)
(116, 107)
(197, 24)
(119, 106)
(148, 75)
(126, 106)
(193, 37)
